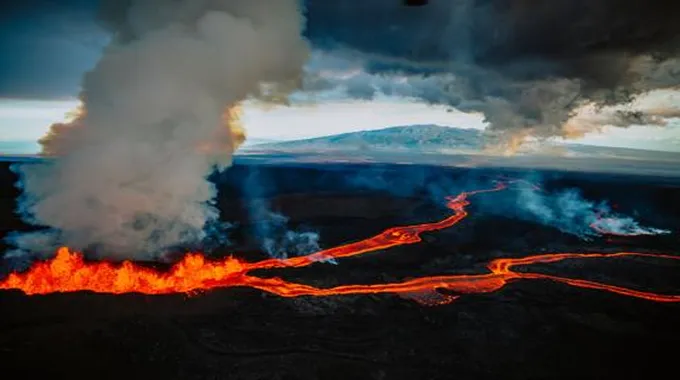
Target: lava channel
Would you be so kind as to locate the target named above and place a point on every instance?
(69, 272)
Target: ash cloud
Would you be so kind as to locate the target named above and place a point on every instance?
(526, 65)
(128, 179)
(658, 109)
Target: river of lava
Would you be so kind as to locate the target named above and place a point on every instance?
(68, 272)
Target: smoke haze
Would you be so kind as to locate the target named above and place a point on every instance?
(566, 210)
(158, 115)
(569, 212)
(271, 228)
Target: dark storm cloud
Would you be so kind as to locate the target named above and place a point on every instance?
(46, 45)
(527, 64)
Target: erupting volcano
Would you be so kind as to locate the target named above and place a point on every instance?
(68, 272)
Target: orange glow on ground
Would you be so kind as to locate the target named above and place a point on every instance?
(68, 272)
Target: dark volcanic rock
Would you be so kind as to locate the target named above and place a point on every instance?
(527, 330)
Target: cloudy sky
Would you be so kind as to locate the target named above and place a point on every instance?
(46, 46)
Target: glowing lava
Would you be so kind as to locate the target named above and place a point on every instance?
(68, 272)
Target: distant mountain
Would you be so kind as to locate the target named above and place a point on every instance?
(258, 141)
(403, 138)
(429, 138)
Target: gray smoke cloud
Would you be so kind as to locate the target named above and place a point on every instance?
(276, 238)
(128, 178)
(566, 210)
(569, 212)
(271, 228)
(527, 66)
(657, 109)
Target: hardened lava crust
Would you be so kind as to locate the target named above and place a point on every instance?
(528, 329)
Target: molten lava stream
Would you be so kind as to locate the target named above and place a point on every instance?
(391, 237)
(500, 276)
(67, 272)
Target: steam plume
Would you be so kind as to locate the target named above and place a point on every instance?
(271, 228)
(278, 239)
(158, 114)
(566, 210)
(569, 212)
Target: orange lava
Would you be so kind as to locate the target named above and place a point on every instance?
(68, 272)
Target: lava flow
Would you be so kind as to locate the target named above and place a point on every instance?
(68, 272)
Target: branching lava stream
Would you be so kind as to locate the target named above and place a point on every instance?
(68, 272)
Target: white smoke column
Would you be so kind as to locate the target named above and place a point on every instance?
(271, 228)
(624, 226)
(569, 212)
(288, 243)
(128, 178)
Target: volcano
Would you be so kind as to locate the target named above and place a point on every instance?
(436, 253)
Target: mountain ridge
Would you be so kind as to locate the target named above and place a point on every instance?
(423, 137)
(432, 138)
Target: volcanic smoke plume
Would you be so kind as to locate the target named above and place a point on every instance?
(571, 213)
(158, 114)
(528, 66)
(271, 228)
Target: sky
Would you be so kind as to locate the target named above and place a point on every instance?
(47, 46)
(23, 122)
